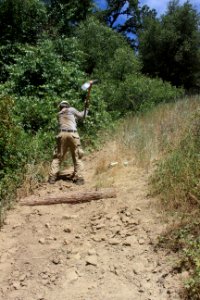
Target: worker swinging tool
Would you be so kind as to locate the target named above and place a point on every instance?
(68, 138)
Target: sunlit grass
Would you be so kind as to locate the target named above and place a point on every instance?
(149, 137)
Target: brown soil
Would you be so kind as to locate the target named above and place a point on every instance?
(100, 250)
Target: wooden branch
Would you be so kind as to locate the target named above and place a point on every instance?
(194, 198)
(71, 198)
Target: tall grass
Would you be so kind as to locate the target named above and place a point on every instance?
(177, 177)
(166, 141)
(147, 138)
(150, 136)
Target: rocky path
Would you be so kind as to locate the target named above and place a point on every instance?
(102, 250)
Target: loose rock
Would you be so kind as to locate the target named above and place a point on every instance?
(72, 275)
(91, 252)
(42, 241)
(67, 229)
(56, 260)
(16, 285)
(91, 260)
(114, 242)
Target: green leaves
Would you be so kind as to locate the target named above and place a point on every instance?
(98, 42)
(22, 21)
(169, 46)
(35, 72)
(64, 15)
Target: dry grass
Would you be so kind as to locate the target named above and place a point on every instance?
(33, 176)
(169, 136)
(108, 164)
(149, 137)
(146, 139)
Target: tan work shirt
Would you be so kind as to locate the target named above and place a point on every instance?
(67, 118)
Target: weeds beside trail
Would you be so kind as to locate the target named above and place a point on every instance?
(166, 141)
(98, 250)
(164, 144)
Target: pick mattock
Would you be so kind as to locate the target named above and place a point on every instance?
(87, 86)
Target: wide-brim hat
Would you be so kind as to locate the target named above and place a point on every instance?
(64, 104)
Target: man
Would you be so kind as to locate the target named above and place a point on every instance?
(68, 139)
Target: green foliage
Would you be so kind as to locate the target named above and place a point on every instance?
(169, 46)
(185, 239)
(5, 123)
(125, 17)
(21, 21)
(17, 149)
(7, 54)
(93, 41)
(191, 258)
(118, 68)
(123, 64)
(98, 119)
(65, 14)
(8, 186)
(40, 82)
(36, 73)
(140, 93)
(8, 136)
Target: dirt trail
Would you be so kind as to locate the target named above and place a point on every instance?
(100, 250)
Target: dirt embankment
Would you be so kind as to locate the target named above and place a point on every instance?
(100, 250)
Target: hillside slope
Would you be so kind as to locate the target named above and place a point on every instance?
(104, 249)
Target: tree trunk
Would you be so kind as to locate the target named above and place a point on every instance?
(71, 198)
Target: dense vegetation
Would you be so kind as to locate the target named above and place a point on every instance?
(170, 46)
(177, 181)
(49, 48)
(167, 139)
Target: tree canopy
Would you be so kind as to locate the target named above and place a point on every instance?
(126, 17)
(22, 21)
(170, 46)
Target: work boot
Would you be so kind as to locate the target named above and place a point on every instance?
(62, 176)
(79, 181)
(51, 180)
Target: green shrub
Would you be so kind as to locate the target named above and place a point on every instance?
(139, 93)
(36, 73)
(98, 43)
(22, 21)
(191, 259)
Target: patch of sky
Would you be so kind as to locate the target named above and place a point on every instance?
(159, 5)
(101, 3)
(122, 18)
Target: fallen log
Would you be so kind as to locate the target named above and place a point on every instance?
(71, 198)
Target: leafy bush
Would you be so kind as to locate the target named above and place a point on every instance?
(169, 46)
(191, 260)
(39, 82)
(9, 135)
(22, 21)
(98, 42)
(97, 120)
(139, 93)
(36, 73)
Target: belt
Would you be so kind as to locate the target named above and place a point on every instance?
(68, 130)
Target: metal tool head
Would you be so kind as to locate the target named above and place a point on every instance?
(87, 84)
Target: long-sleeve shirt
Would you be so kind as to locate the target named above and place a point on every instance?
(67, 118)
